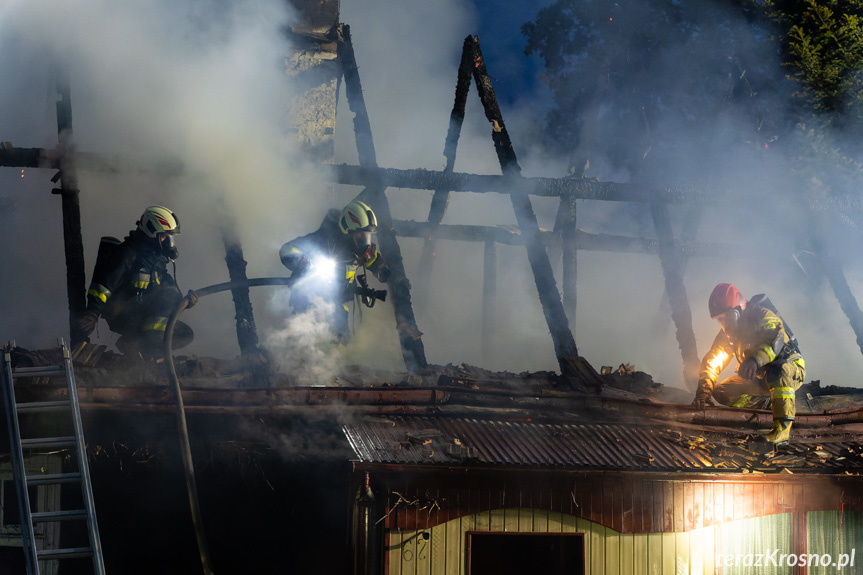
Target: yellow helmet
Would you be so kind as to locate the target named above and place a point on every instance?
(358, 217)
(158, 220)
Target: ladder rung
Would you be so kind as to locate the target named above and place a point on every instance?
(49, 371)
(70, 553)
(43, 406)
(58, 515)
(48, 442)
(53, 479)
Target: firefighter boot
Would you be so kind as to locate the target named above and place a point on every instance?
(781, 432)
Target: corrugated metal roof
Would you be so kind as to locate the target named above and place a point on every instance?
(448, 441)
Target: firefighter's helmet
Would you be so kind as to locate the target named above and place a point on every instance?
(725, 297)
(358, 217)
(158, 220)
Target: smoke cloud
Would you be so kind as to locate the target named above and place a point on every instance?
(203, 83)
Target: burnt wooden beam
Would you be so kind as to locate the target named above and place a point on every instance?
(580, 188)
(565, 226)
(836, 277)
(247, 334)
(439, 202)
(356, 100)
(12, 157)
(489, 299)
(681, 314)
(73, 244)
(582, 240)
(410, 337)
(555, 316)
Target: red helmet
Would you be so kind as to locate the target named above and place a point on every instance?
(725, 297)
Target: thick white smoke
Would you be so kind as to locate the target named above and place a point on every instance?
(203, 83)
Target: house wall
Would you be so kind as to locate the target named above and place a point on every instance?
(626, 503)
(607, 552)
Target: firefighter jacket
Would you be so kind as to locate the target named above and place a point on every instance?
(328, 241)
(130, 271)
(760, 335)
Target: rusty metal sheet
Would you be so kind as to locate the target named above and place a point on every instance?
(526, 443)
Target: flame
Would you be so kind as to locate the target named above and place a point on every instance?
(716, 362)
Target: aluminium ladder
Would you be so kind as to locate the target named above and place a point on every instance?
(74, 441)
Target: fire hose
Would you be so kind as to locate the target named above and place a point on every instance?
(185, 446)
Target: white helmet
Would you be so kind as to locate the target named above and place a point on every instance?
(359, 222)
(158, 220)
(358, 217)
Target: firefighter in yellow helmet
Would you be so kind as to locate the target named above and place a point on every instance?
(332, 261)
(132, 289)
(770, 360)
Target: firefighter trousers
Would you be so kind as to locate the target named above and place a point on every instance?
(777, 381)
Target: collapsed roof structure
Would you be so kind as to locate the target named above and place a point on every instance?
(442, 457)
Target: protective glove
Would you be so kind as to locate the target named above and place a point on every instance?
(702, 398)
(747, 369)
(384, 273)
(87, 321)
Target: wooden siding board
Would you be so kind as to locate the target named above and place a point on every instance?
(647, 507)
(758, 507)
(469, 524)
(511, 519)
(627, 554)
(627, 507)
(667, 507)
(395, 553)
(576, 502)
(654, 554)
(708, 504)
(437, 543)
(728, 502)
(496, 520)
(597, 500)
(658, 507)
(739, 501)
(611, 538)
(637, 503)
(615, 506)
(679, 508)
(541, 510)
(526, 519)
(569, 524)
(688, 510)
(640, 562)
(710, 550)
(698, 505)
(798, 497)
(423, 553)
(669, 554)
(596, 534)
(748, 500)
(682, 552)
(454, 548)
(554, 522)
(482, 519)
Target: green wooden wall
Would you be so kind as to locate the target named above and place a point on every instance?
(607, 552)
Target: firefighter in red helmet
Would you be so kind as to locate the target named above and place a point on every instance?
(770, 364)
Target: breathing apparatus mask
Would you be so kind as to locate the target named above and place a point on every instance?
(168, 246)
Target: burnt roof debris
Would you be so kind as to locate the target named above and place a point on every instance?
(525, 443)
(463, 415)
